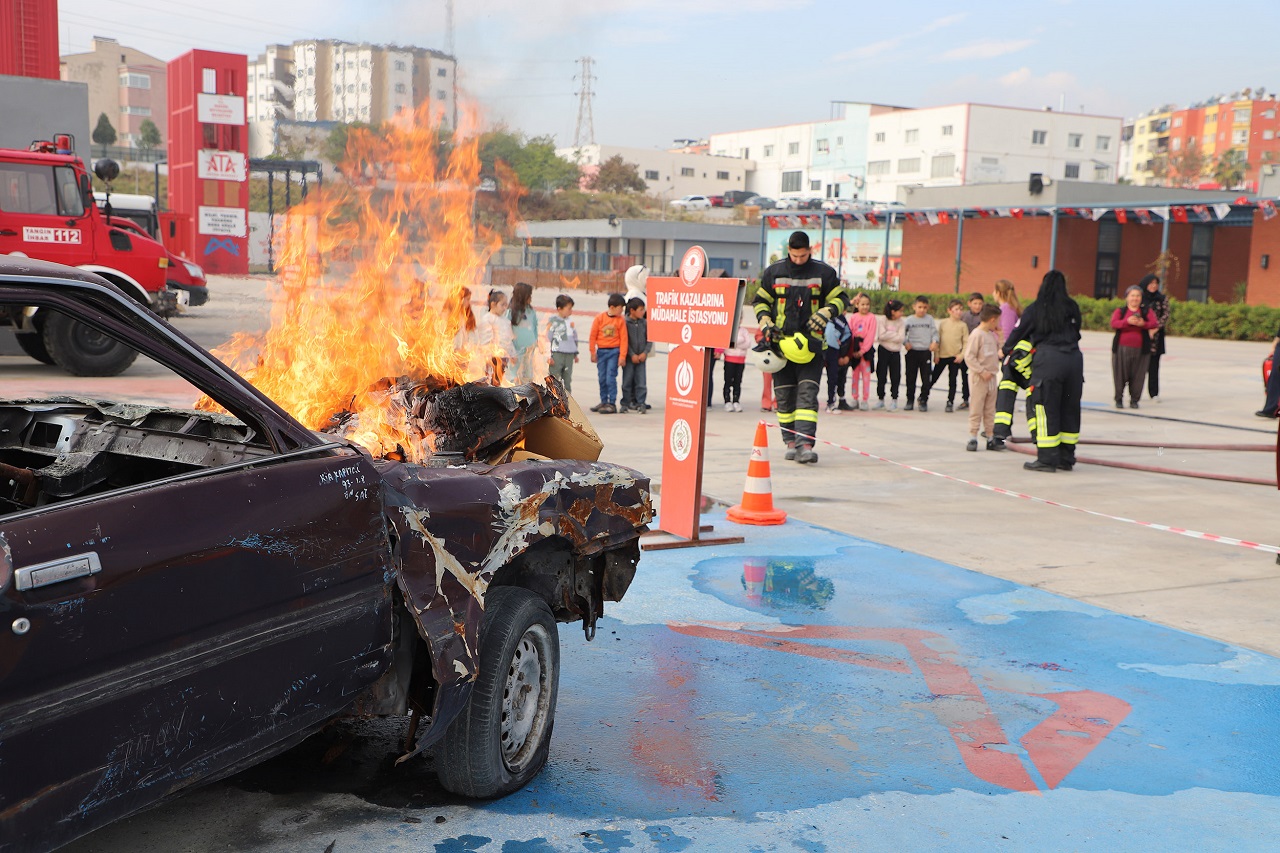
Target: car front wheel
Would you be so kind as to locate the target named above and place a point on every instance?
(500, 740)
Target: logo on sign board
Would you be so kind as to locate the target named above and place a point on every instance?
(684, 378)
(692, 265)
(681, 439)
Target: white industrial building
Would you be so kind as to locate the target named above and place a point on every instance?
(668, 174)
(981, 144)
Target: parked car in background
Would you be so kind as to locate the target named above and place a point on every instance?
(813, 203)
(692, 202)
(788, 203)
(762, 202)
(732, 198)
(716, 200)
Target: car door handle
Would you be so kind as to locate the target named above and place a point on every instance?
(56, 571)
(8, 232)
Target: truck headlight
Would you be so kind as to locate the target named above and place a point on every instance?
(193, 270)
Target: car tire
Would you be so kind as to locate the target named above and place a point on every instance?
(501, 738)
(33, 345)
(84, 351)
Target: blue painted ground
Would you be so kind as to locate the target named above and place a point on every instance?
(810, 691)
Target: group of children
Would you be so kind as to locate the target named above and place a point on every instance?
(619, 338)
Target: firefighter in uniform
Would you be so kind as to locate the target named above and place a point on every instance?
(796, 299)
(1057, 374)
(1015, 375)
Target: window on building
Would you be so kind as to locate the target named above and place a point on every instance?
(686, 172)
(722, 176)
(364, 87)
(1191, 142)
(1176, 144)
(947, 130)
(815, 186)
(768, 151)
(1075, 140)
(908, 165)
(878, 167)
(440, 94)
(1268, 134)
(135, 111)
(1268, 113)
(839, 141)
(401, 88)
(1102, 143)
(337, 66)
(943, 166)
(651, 174)
(1102, 173)
(793, 147)
(911, 135)
(880, 136)
(311, 71)
(990, 161)
(824, 146)
(399, 64)
(1071, 171)
(351, 87)
(1210, 118)
(135, 81)
(1240, 136)
(337, 90)
(746, 154)
(364, 63)
(441, 72)
(791, 181)
(1039, 137)
(1241, 116)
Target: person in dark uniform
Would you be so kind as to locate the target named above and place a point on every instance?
(1057, 374)
(796, 299)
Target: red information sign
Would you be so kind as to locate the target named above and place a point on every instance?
(697, 314)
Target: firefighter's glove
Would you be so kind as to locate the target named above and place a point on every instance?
(818, 322)
(769, 332)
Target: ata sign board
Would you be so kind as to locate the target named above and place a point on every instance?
(222, 166)
(220, 109)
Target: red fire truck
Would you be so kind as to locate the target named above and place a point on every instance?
(47, 212)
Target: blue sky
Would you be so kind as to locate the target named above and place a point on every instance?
(667, 69)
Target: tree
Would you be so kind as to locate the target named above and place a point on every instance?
(1230, 169)
(148, 135)
(534, 161)
(616, 175)
(1187, 167)
(104, 134)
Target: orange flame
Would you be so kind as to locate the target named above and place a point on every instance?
(375, 284)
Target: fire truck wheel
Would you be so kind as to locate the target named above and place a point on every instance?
(500, 739)
(33, 345)
(84, 351)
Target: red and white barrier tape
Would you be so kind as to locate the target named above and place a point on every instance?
(1181, 531)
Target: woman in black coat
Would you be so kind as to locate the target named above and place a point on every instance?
(1153, 299)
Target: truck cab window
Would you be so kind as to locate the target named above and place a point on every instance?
(26, 188)
(70, 202)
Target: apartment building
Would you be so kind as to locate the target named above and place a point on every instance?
(347, 82)
(128, 85)
(270, 97)
(668, 174)
(963, 144)
(1245, 123)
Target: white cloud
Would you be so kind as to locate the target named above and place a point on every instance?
(986, 49)
(867, 51)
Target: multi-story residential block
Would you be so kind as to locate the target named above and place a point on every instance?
(271, 97)
(1150, 145)
(965, 144)
(347, 82)
(669, 174)
(126, 84)
(1182, 146)
(29, 38)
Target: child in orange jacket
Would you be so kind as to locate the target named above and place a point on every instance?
(608, 339)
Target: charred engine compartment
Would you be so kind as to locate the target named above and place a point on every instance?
(64, 448)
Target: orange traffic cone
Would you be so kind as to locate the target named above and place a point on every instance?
(757, 494)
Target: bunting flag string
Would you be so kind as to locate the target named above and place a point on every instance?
(1268, 208)
(1144, 215)
(1162, 212)
(1201, 211)
(1098, 213)
(1178, 213)
(1222, 209)
(1122, 215)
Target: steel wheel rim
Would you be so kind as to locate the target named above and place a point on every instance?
(526, 698)
(92, 341)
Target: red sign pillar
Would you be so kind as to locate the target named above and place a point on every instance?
(697, 315)
(209, 157)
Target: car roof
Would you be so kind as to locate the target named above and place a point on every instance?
(16, 265)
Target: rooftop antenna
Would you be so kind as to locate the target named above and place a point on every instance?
(448, 27)
(585, 95)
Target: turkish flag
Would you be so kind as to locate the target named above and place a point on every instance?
(985, 214)
(1268, 208)
(1179, 214)
(1144, 215)
(1201, 211)
(1068, 211)
(1122, 216)
(1016, 212)
(944, 217)
(871, 217)
(1244, 199)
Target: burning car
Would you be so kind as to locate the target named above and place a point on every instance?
(311, 579)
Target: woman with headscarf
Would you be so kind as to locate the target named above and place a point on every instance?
(1131, 347)
(1057, 374)
(1154, 300)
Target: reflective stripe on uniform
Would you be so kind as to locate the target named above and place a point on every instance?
(1070, 437)
(786, 418)
(1009, 385)
(1004, 418)
(807, 415)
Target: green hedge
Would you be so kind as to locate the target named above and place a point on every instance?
(1219, 320)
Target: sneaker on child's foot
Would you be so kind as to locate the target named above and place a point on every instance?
(972, 445)
(728, 407)
(909, 407)
(832, 410)
(893, 404)
(924, 407)
(880, 403)
(865, 406)
(950, 408)
(962, 406)
(845, 407)
(737, 406)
